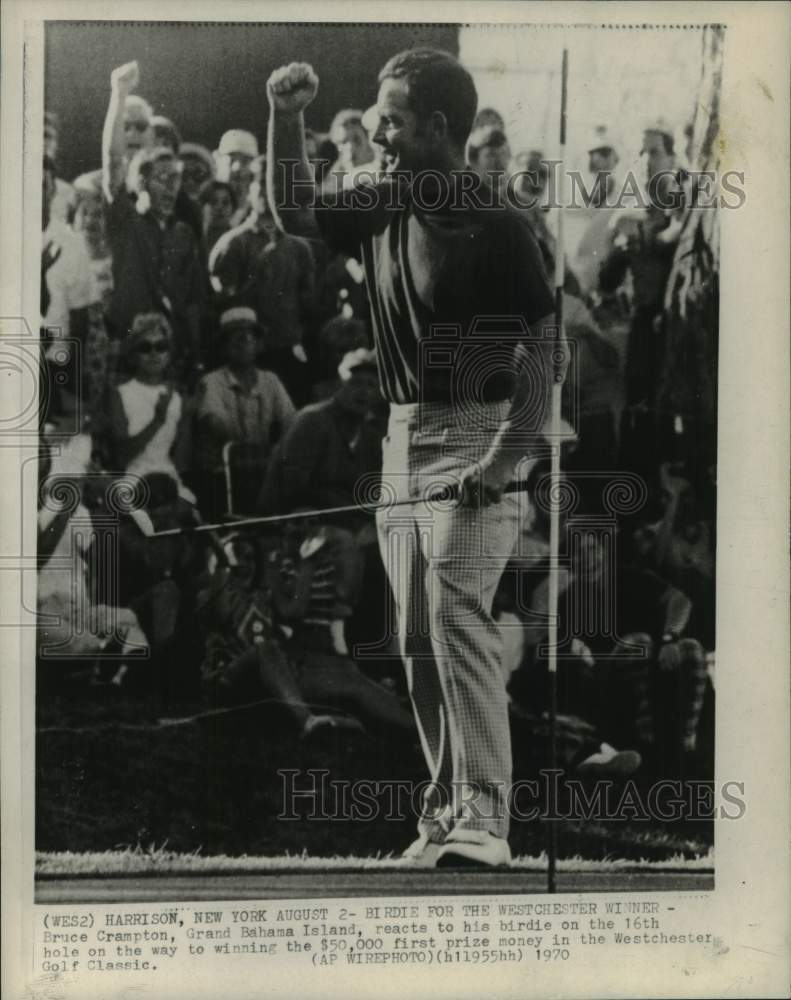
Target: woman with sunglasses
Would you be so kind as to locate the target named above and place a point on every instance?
(148, 426)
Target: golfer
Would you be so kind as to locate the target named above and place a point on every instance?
(460, 307)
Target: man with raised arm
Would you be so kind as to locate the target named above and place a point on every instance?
(458, 296)
(156, 258)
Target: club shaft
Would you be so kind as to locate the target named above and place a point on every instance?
(351, 508)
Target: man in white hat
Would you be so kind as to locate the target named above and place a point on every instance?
(589, 234)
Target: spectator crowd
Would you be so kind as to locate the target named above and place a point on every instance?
(193, 345)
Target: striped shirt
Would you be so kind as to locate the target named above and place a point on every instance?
(450, 292)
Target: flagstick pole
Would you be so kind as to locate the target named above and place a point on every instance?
(554, 523)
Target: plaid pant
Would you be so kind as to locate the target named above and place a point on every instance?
(444, 563)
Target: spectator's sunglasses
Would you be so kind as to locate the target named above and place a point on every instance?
(136, 125)
(151, 346)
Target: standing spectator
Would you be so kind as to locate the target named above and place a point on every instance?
(148, 426)
(186, 209)
(198, 170)
(272, 272)
(64, 200)
(643, 246)
(100, 357)
(67, 289)
(138, 133)
(166, 133)
(489, 155)
(219, 204)
(239, 403)
(156, 258)
(234, 158)
(488, 117)
(594, 218)
(351, 140)
(91, 225)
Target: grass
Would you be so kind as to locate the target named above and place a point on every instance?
(109, 777)
(152, 860)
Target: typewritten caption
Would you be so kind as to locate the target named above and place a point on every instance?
(143, 940)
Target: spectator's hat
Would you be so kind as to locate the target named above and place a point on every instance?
(483, 137)
(89, 183)
(355, 361)
(237, 142)
(194, 149)
(660, 125)
(602, 140)
(489, 117)
(239, 318)
(165, 132)
(344, 118)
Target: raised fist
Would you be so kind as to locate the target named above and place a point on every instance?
(125, 77)
(291, 88)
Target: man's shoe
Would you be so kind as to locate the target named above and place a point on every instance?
(474, 849)
(422, 853)
(610, 763)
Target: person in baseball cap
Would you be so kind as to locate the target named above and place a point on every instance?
(602, 160)
(234, 158)
(660, 160)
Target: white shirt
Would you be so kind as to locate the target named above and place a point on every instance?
(139, 401)
(70, 280)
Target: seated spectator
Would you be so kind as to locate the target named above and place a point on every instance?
(71, 624)
(235, 158)
(64, 201)
(244, 655)
(272, 272)
(337, 338)
(218, 201)
(593, 391)
(148, 428)
(67, 290)
(313, 585)
(156, 258)
(332, 451)
(239, 403)
(155, 575)
(681, 547)
(628, 664)
(331, 446)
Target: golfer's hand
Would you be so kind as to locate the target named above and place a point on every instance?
(482, 484)
(291, 88)
(125, 78)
